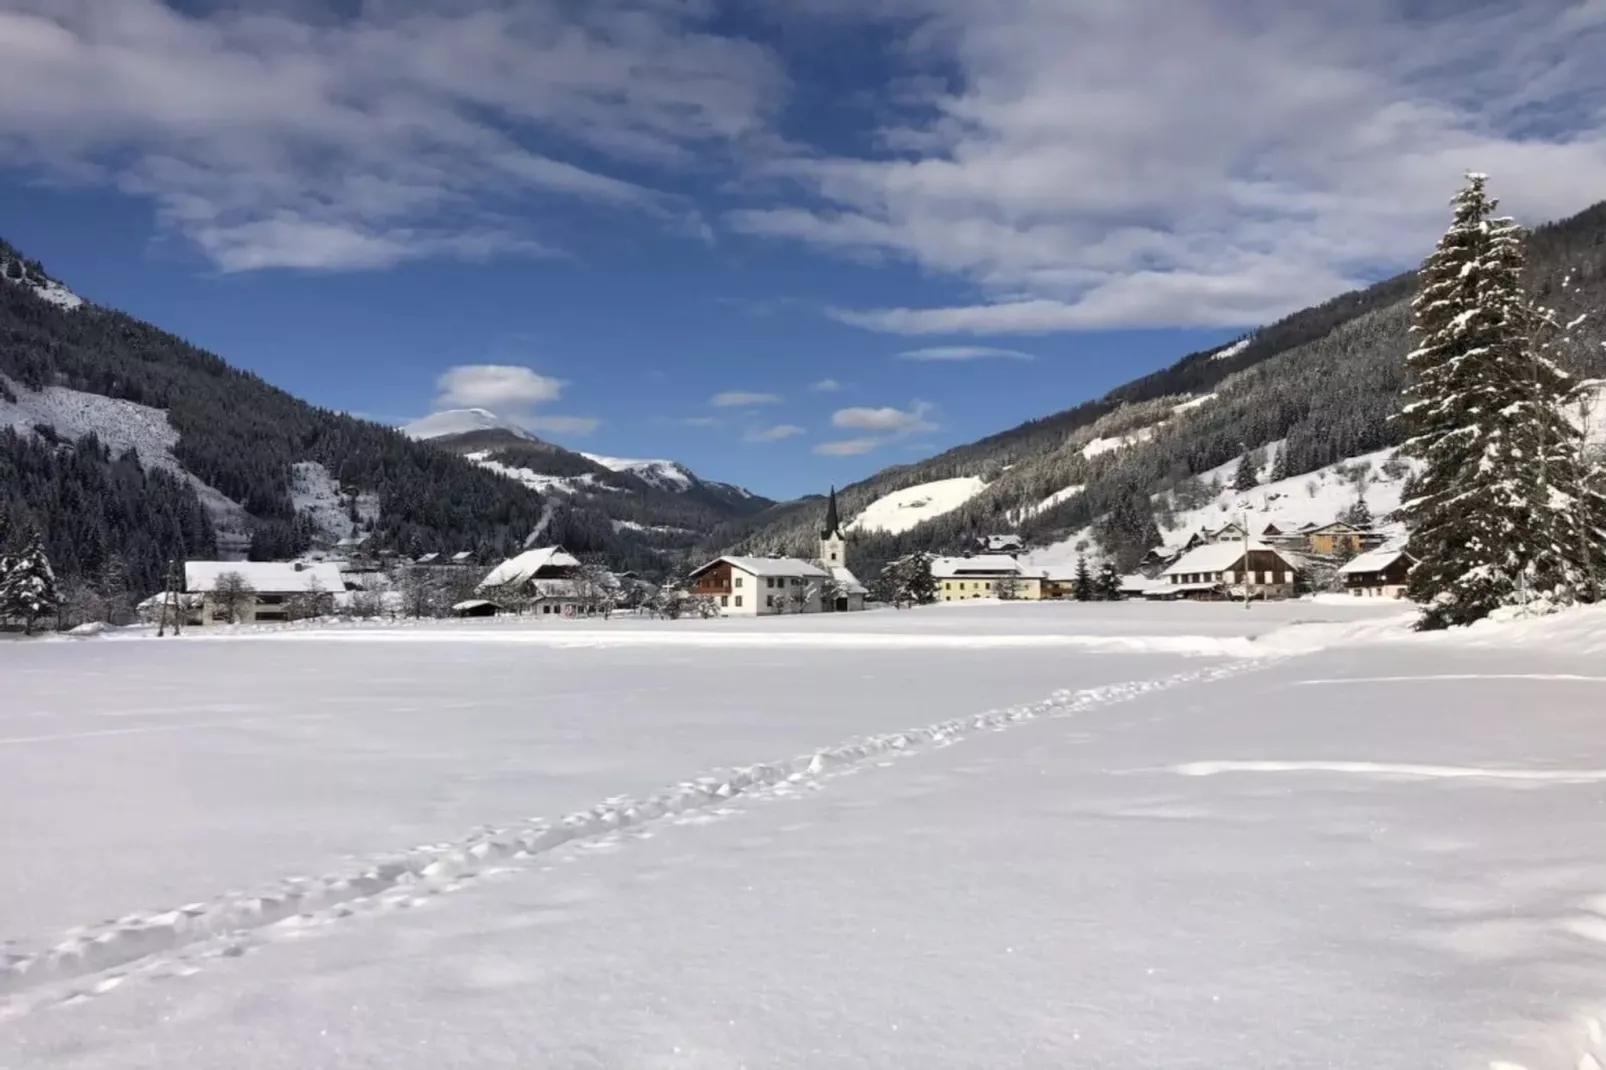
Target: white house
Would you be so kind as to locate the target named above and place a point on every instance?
(760, 586)
(272, 586)
(769, 586)
(961, 578)
(1209, 571)
(550, 577)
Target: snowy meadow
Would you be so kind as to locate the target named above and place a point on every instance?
(994, 835)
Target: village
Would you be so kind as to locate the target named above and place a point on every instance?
(1239, 561)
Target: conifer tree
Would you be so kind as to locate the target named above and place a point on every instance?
(1082, 588)
(28, 588)
(1245, 478)
(1107, 585)
(1279, 464)
(1497, 513)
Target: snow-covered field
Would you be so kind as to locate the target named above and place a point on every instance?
(902, 510)
(985, 835)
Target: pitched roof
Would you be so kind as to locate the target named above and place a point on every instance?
(980, 565)
(1220, 556)
(847, 580)
(265, 577)
(1337, 525)
(769, 566)
(1373, 561)
(522, 568)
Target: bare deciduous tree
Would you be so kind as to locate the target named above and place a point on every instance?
(232, 594)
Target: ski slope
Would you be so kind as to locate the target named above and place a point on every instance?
(897, 842)
(904, 509)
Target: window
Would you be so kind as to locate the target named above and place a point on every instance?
(738, 581)
(738, 600)
(769, 581)
(724, 599)
(769, 600)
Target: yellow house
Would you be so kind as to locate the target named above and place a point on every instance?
(984, 576)
(1330, 538)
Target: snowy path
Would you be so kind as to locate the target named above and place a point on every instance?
(1189, 863)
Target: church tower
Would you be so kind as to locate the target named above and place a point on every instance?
(833, 544)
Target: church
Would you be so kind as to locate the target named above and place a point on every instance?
(770, 586)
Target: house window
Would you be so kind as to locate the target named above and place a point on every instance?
(738, 581)
(769, 600)
(724, 599)
(738, 600)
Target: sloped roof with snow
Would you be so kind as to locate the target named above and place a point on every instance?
(1371, 561)
(847, 580)
(980, 565)
(771, 566)
(1220, 556)
(265, 577)
(522, 568)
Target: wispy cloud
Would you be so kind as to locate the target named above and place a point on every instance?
(731, 399)
(1062, 160)
(886, 418)
(825, 386)
(889, 423)
(963, 353)
(849, 447)
(774, 433)
(283, 135)
(701, 421)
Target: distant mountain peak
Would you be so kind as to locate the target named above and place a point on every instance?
(666, 475)
(461, 422)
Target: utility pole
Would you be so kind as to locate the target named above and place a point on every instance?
(171, 599)
(1246, 560)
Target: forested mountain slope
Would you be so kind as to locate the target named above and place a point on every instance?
(1325, 379)
(200, 438)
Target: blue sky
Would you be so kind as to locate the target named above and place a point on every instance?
(893, 225)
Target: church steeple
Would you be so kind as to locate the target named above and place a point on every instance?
(833, 525)
(833, 544)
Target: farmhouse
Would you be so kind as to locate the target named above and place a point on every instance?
(1378, 574)
(1212, 572)
(983, 576)
(761, 586)
(549, 578)
(271, 590)
(1335, 537)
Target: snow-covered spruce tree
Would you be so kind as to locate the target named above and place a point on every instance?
(1107, 584)
(1489, 512)
(1244, 478)
(1082, 587)
(28, 587)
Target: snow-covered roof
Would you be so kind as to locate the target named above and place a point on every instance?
(771, 566)
(471, 603)
(1220, 556)
(523, 567)
(1137, 581)
(980, 565)
(265, 577)
(847, 580)
(463, 555)
(1371, 561)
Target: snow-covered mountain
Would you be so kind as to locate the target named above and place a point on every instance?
(19, 271)
(665, 475)
(461, 422)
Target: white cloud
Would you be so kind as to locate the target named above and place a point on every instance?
(563, 425)
(963, 353)
(735, 398)
(1116, 163)
(495, 387)
(889, 423)
(283, 135)
(849, 447)
(773, 434)
(887, 418)
(825, 386)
